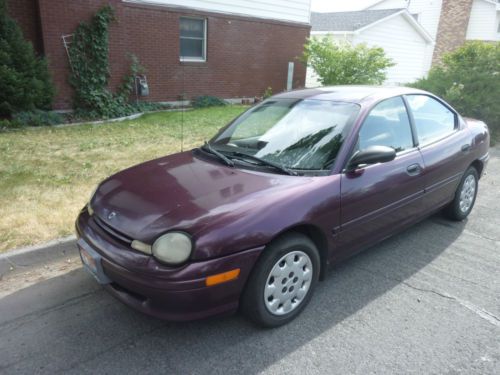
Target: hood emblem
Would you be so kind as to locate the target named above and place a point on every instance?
(112, 215)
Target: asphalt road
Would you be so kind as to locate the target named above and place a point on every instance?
(424, 301)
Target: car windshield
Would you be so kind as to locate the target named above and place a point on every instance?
(296, 134)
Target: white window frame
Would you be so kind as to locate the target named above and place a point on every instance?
(194, 59)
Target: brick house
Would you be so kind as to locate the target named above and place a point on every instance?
(229, 49)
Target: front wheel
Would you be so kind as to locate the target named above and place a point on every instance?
(283, 281)
(465, 196)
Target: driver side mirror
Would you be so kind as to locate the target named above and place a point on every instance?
(371, 155)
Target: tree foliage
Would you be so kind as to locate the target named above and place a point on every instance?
(345, 64)
(469, 79)
(25, 82)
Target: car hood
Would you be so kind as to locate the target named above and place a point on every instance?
(183, 192)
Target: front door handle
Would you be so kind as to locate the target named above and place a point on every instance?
(413, 169)
(465, 148)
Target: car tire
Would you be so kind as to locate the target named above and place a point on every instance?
(465, 196)
(282, 282)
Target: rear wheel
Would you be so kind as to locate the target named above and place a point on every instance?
(283, 281)
(465, 196)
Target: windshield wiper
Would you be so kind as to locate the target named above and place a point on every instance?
(265, 162)
(208, 147)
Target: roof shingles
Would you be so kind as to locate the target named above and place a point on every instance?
(348, 21)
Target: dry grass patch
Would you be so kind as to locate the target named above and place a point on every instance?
(47, 174)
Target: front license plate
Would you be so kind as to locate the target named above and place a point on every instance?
(92, 262)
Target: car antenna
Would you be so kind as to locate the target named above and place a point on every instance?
(182, 109)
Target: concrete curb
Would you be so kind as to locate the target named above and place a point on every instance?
(37, 255)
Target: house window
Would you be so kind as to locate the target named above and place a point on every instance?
(193, 39)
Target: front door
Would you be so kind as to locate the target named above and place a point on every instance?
(443, 146)
(377, 199)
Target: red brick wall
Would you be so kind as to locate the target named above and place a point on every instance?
(244, 55)
(25, 13)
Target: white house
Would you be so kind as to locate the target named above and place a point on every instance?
(483, 21)
(395, 30)
(415, 33)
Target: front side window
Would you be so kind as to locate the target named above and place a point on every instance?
(387, 125)
(193, 39)
(433, 120)
(294, 133)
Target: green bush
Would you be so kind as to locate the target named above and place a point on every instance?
(37, 118)
(267, 93)
(469, 79)
(149, 106)
(205, 101)
(344, 64)
(25, 82)
(8, 124)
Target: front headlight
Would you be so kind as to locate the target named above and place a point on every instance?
(173, 248)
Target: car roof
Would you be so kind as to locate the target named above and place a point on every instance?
(352, 94)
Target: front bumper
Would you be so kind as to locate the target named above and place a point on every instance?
(171, 293)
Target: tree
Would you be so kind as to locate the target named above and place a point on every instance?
(345, 64)
(25, 82)
(469, 79)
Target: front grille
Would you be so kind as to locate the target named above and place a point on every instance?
(112, 232)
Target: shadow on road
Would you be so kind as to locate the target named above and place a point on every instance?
(90, 331)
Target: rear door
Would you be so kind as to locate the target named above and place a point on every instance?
(444, 147)
(377, 199)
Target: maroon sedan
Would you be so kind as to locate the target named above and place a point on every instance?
(303, 180)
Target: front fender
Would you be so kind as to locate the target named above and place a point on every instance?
(251, 225)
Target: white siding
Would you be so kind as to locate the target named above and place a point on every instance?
(403, 44)
(498, 23)
(285, 10)
(428, 11)
(389, 4)
(483, 21)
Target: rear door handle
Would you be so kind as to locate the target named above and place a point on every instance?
(465, 147)
(413, 169)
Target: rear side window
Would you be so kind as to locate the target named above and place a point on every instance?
(387, 125)
(433, 120)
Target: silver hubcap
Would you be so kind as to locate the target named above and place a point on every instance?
(288, 283)
(467, 194)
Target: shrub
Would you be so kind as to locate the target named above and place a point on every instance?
(205, 101)
(344, 64)
(267, 93)
(8, 124)
(469, 79)
(25, 82)
(37, 118)
(149, 106)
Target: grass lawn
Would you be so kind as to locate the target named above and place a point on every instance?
(47, 174)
